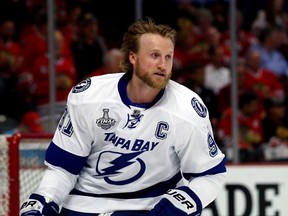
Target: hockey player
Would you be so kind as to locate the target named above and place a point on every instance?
(133, 143)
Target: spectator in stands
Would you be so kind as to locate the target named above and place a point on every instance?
(7, 64)
(195, 81)
(31, 123)
(13, 111)
(33, 40)
(188, 45)
(225, 93)
(220, 14)
(273, 14)
(275, 122)
(8, 42)
(208, 34)
(67, 21)
(7, 81)
(9, 54)
(12, 106)
(217, 75)
(275, 129)
(65, 79)
(244, 39)
(271, 57)
(204, 20)
(111, 62)
(261, 80)
(88, 51)
(195, 39)
(250, 128)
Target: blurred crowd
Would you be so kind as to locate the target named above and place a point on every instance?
(202, 63)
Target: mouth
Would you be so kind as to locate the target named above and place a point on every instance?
(160, 74)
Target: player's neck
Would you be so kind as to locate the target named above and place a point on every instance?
(141, 93)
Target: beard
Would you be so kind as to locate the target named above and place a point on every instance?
(150, 80)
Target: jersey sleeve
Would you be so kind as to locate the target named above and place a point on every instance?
(72, 141)
(199, 153)
(66, 155)
(202, 162)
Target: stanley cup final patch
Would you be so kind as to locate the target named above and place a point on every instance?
(105, 122)
(200, 109)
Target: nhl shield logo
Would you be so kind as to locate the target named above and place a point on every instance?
(105, 122)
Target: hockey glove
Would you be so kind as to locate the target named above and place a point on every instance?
(181, 202)
(38, 205)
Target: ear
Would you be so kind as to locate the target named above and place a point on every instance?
(132, 57)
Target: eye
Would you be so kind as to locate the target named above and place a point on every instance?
(155, 55)
(168, 57)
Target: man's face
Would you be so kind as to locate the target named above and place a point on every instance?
(253, 60)
(153, 63)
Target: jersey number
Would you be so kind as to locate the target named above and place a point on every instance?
(65, 124)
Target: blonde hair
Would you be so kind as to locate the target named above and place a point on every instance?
(135, 31)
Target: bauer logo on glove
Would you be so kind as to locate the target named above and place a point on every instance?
(186, 204)
(38, 205)
(181, 201)
(30, 206)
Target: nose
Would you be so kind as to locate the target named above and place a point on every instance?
(161, 62)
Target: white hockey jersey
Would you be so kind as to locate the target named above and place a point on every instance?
(126, 155)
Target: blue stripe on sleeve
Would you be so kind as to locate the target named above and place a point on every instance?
(66, 160)
(220, 168)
